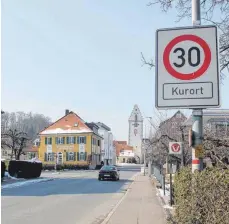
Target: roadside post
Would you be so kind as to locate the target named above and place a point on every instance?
(175, 148)
(55, 162)
(187, 73)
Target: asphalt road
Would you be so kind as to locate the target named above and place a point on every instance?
(73, 197)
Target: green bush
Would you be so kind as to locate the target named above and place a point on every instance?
(202, 197)
(25, 169)
(65, 166)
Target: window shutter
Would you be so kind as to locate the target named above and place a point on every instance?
(63, 140)
(51, 141)
(74, 140)
(66, 156)
(45, 140)
(67, 140)
(45, 158)
(78, 140)
(74, 156)
(78, 155)
(56, 140)
(85, 154)
(85, 140)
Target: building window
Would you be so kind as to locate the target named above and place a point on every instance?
(82, 156)
(70, 156)
(71, 140)
(98, 142)
(37, 143)
(60, 140)
(81, 140)
(32, 155)
(48, 140)
(49, 157)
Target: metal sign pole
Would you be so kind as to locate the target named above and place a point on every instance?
(197, 114)
(170, 182)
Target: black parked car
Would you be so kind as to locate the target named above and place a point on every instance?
(109, 172)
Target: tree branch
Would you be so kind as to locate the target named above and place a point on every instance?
(149, 63)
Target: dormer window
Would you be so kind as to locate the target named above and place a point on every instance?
(76, 125)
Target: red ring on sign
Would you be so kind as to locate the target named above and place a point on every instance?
(188, 76)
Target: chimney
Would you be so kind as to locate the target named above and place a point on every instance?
(66, 112)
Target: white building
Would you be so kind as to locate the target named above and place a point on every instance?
(126, 153)
(136, 132)
(107, 149)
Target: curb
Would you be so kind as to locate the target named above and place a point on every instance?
(27, 182)
(106, 220)
(167, 212)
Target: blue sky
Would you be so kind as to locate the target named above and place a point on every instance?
(83, 56)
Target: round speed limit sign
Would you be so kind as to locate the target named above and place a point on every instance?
(187, 57)
(187, 68)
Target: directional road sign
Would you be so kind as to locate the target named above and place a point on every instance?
(187, 74)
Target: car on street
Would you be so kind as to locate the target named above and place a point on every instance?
(109, 172)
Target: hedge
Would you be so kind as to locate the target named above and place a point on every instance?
(25, 169)
(3, 168)
(202, 197)
(65, 166)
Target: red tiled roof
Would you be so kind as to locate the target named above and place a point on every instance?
(69, 124)
(121, 145)
(31, 148)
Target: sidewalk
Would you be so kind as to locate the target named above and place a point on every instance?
(140, 205)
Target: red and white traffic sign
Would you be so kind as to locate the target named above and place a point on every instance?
(187, 73)
(175, 148)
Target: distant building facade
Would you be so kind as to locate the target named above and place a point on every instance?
(124, 152)
(107, 150)
(215, 120)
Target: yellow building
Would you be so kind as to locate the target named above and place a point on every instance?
(70, 141)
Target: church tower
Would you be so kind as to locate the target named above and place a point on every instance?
(136, 131)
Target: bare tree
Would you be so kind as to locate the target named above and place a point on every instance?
(216, 144)
(18, 128)
(209, 9)
(16, 141)
(169, 129)
(215, 141)
(29, 123)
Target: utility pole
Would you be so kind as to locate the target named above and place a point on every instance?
(197, 114)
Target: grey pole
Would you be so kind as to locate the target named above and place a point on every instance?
(144, 162)
(196, 14)
(197, 114)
